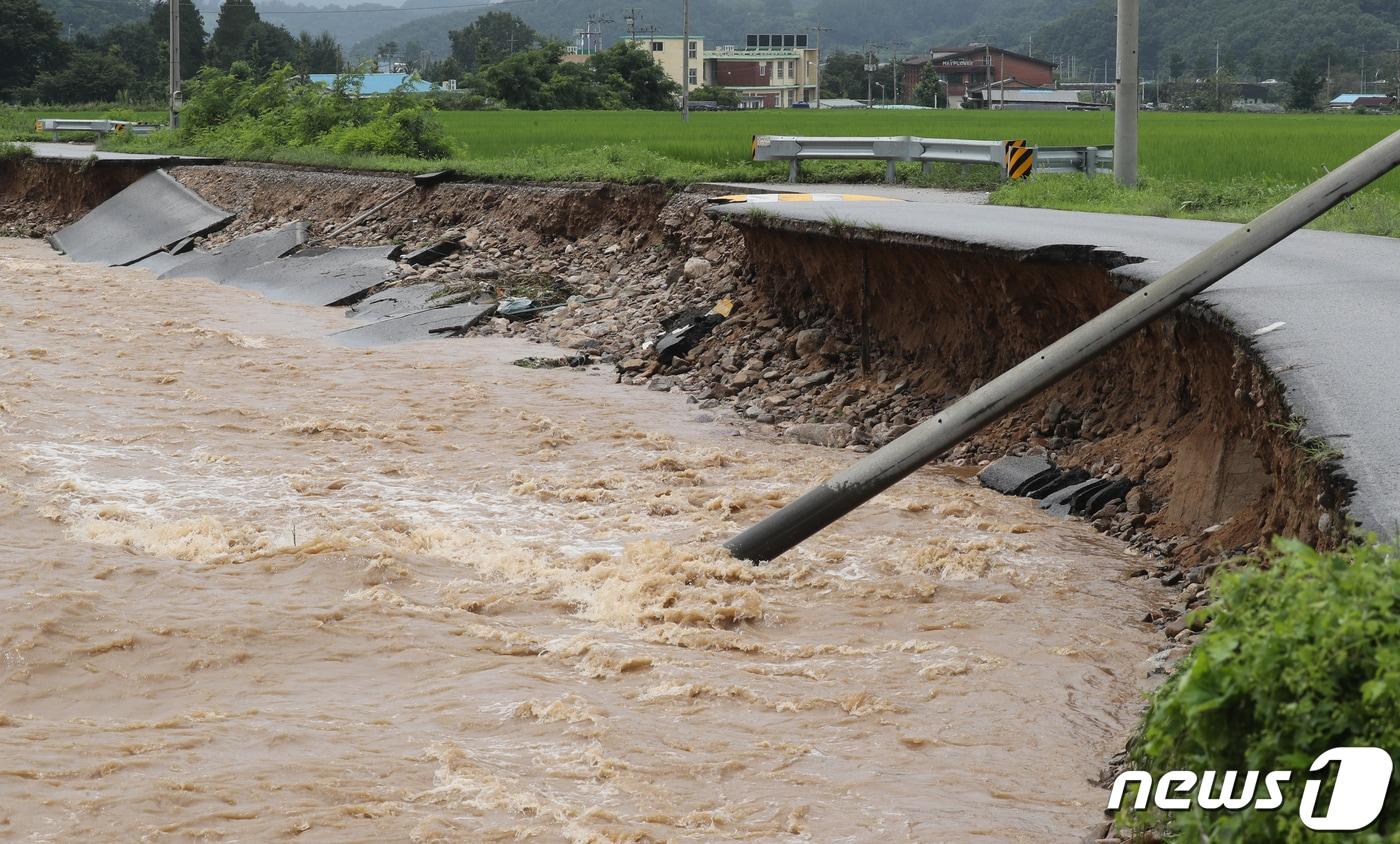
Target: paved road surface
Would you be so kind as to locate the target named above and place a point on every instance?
(1338, 295)
(62, 151)
(904, 192)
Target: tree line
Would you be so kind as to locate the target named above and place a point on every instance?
(500, 59)
(130, 62)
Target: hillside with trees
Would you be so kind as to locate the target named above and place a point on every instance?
(1258, 39)
(920, 23)
(129, 62)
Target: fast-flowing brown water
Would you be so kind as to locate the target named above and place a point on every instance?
(257, 586)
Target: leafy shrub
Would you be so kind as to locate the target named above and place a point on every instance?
(1301, 657)
(238, 112)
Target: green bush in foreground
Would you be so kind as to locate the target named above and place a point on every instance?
(1300, 657)
(237, 113)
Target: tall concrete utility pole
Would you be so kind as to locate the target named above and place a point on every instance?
(819, 29)
(175, 93)
(1125, 103)
(685, 62)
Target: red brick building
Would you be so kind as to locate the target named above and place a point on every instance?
(975, 67)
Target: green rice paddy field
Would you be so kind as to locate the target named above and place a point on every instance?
(1223, 166)
(1212, 147)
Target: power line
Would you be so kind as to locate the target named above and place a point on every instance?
(384, 10)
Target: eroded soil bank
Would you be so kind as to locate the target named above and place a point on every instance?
(484, 513)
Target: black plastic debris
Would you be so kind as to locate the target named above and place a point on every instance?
(1111, 491)
(143, 219)
(453, 319)
(683, 331)
(1041, 489)
(1062, 503)
(1011, 474)
(431, 254)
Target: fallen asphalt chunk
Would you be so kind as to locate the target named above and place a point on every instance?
(395, 301)
(151, 214)
(160, 262)
(237, 256)
(337, 276)
(1010, 474)
(416, 326)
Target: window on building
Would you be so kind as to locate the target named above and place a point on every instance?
(792, 69)
(693, 47)
(780, 70)
(763, 68)
(658, 46)
(694, 80)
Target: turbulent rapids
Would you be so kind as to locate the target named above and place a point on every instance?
(256, 585)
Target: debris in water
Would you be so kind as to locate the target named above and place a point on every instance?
(574, 361)
(683, 331)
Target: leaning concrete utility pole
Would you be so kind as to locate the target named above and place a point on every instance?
(876, 473)
(175, 93)
(685, 62)
(1125, 103)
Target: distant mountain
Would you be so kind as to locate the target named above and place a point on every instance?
(920, 23)
(348, 24)
(1257, 38)
(94, 16)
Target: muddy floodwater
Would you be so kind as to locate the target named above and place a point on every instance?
(255, 586)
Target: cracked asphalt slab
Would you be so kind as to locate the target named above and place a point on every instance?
(1315, 307)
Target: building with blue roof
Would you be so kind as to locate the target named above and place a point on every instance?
(377, 83)
(1350, 101)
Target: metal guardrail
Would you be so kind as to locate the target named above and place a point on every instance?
(891, 150)
(794, 150)
(55, 125)
(1090, 161)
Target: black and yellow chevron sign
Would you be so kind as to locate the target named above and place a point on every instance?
(1019, 160)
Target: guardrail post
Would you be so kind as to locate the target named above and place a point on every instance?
(890, 177)
(1091, 161)
(794, 167)
(868, 478)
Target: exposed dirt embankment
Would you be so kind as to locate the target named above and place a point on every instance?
(325, 200)
(1183, 405)
(838, 336)
(38, 198)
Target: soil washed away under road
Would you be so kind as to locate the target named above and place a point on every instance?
(256, 585)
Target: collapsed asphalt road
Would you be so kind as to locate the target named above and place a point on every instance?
(1314, 307)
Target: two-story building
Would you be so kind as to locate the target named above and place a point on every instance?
(769, 71)
(975, 68)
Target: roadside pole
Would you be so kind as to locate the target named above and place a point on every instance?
(866, 479)
(685, 61)
(819, 29)
(175, 93)
(1125, 103)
